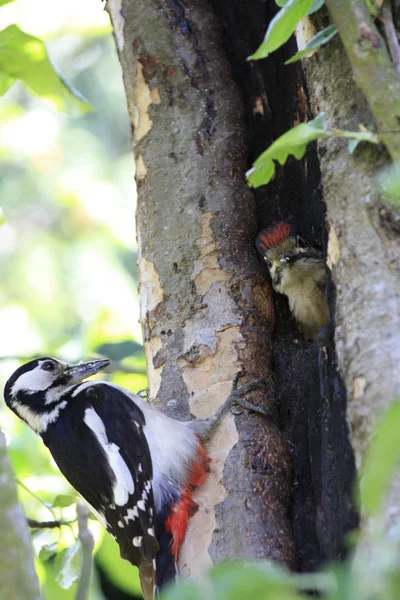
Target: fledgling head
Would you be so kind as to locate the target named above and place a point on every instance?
(284, 252)
(36, 391)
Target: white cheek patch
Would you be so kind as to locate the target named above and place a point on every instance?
(38, 422)
(33, 381)
(124, 485)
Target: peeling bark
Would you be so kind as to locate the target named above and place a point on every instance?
(207, 310)
(18, 579)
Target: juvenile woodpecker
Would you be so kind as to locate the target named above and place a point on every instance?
(136, 467)
(298, 271)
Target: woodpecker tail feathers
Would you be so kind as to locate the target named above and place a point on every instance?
(147, 576)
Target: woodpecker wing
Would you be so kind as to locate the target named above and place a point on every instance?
(130, 517)
(99, 445)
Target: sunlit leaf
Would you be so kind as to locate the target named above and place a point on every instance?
(68, 564)
(316, 5)
(382, 457)
(282, 26)
(321, 38)
(3, 2)
(6, 82)
(24, 57)
(63, 500)
(48, 551)
(294, 142)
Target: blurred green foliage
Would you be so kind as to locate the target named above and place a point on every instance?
(67, 244)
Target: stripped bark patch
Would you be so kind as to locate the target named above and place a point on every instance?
(333, 249)
(144, 97)
(150, 290)
(305, 31)
(209, 386)
(154, 373)
(114, 8)
(206, 269)
(141, 169)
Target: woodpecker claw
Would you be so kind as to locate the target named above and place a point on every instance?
(236, 400)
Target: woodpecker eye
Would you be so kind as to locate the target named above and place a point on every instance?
(48, 366)
(268, 263)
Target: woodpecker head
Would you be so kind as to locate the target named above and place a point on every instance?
(284, 253)
(37, 391)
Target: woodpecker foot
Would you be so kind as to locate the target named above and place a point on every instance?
(236, 401)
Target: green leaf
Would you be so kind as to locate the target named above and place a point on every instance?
(374, 7)
(295, 142)
(321, 38)
(282, 26)
(63, 500)
(120, 572)
(292, 142)
(316, 5)
(68, 565)
(3, 2)
(24, 57)
(389, 183)
(48, 551)
(352, 145)
(382, 457)
(6, 82)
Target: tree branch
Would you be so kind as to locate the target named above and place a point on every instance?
(17, 573)
(373, 71)
(386, 19)
(86, 538)
(47, 524)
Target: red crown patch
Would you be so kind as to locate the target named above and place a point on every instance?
(273, 236)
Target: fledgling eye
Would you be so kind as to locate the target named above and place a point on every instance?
(48, 366)
(285, 259)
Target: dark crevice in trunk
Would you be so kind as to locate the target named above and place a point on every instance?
(310, 393)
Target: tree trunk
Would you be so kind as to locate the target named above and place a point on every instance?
(364, 253)
(206, 309)
(17, 573)
(201, 114)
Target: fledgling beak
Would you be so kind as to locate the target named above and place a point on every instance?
(78, 373)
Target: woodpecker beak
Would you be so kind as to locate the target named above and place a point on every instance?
(78, 373)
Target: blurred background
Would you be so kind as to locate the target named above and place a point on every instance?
(67, 260)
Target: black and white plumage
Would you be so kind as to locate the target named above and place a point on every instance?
(136, 467)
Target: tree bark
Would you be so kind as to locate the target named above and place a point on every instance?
(364, 254)
(18, 578)
(206, 310)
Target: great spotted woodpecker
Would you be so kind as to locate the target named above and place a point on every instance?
(136, 467)
(298, 271)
